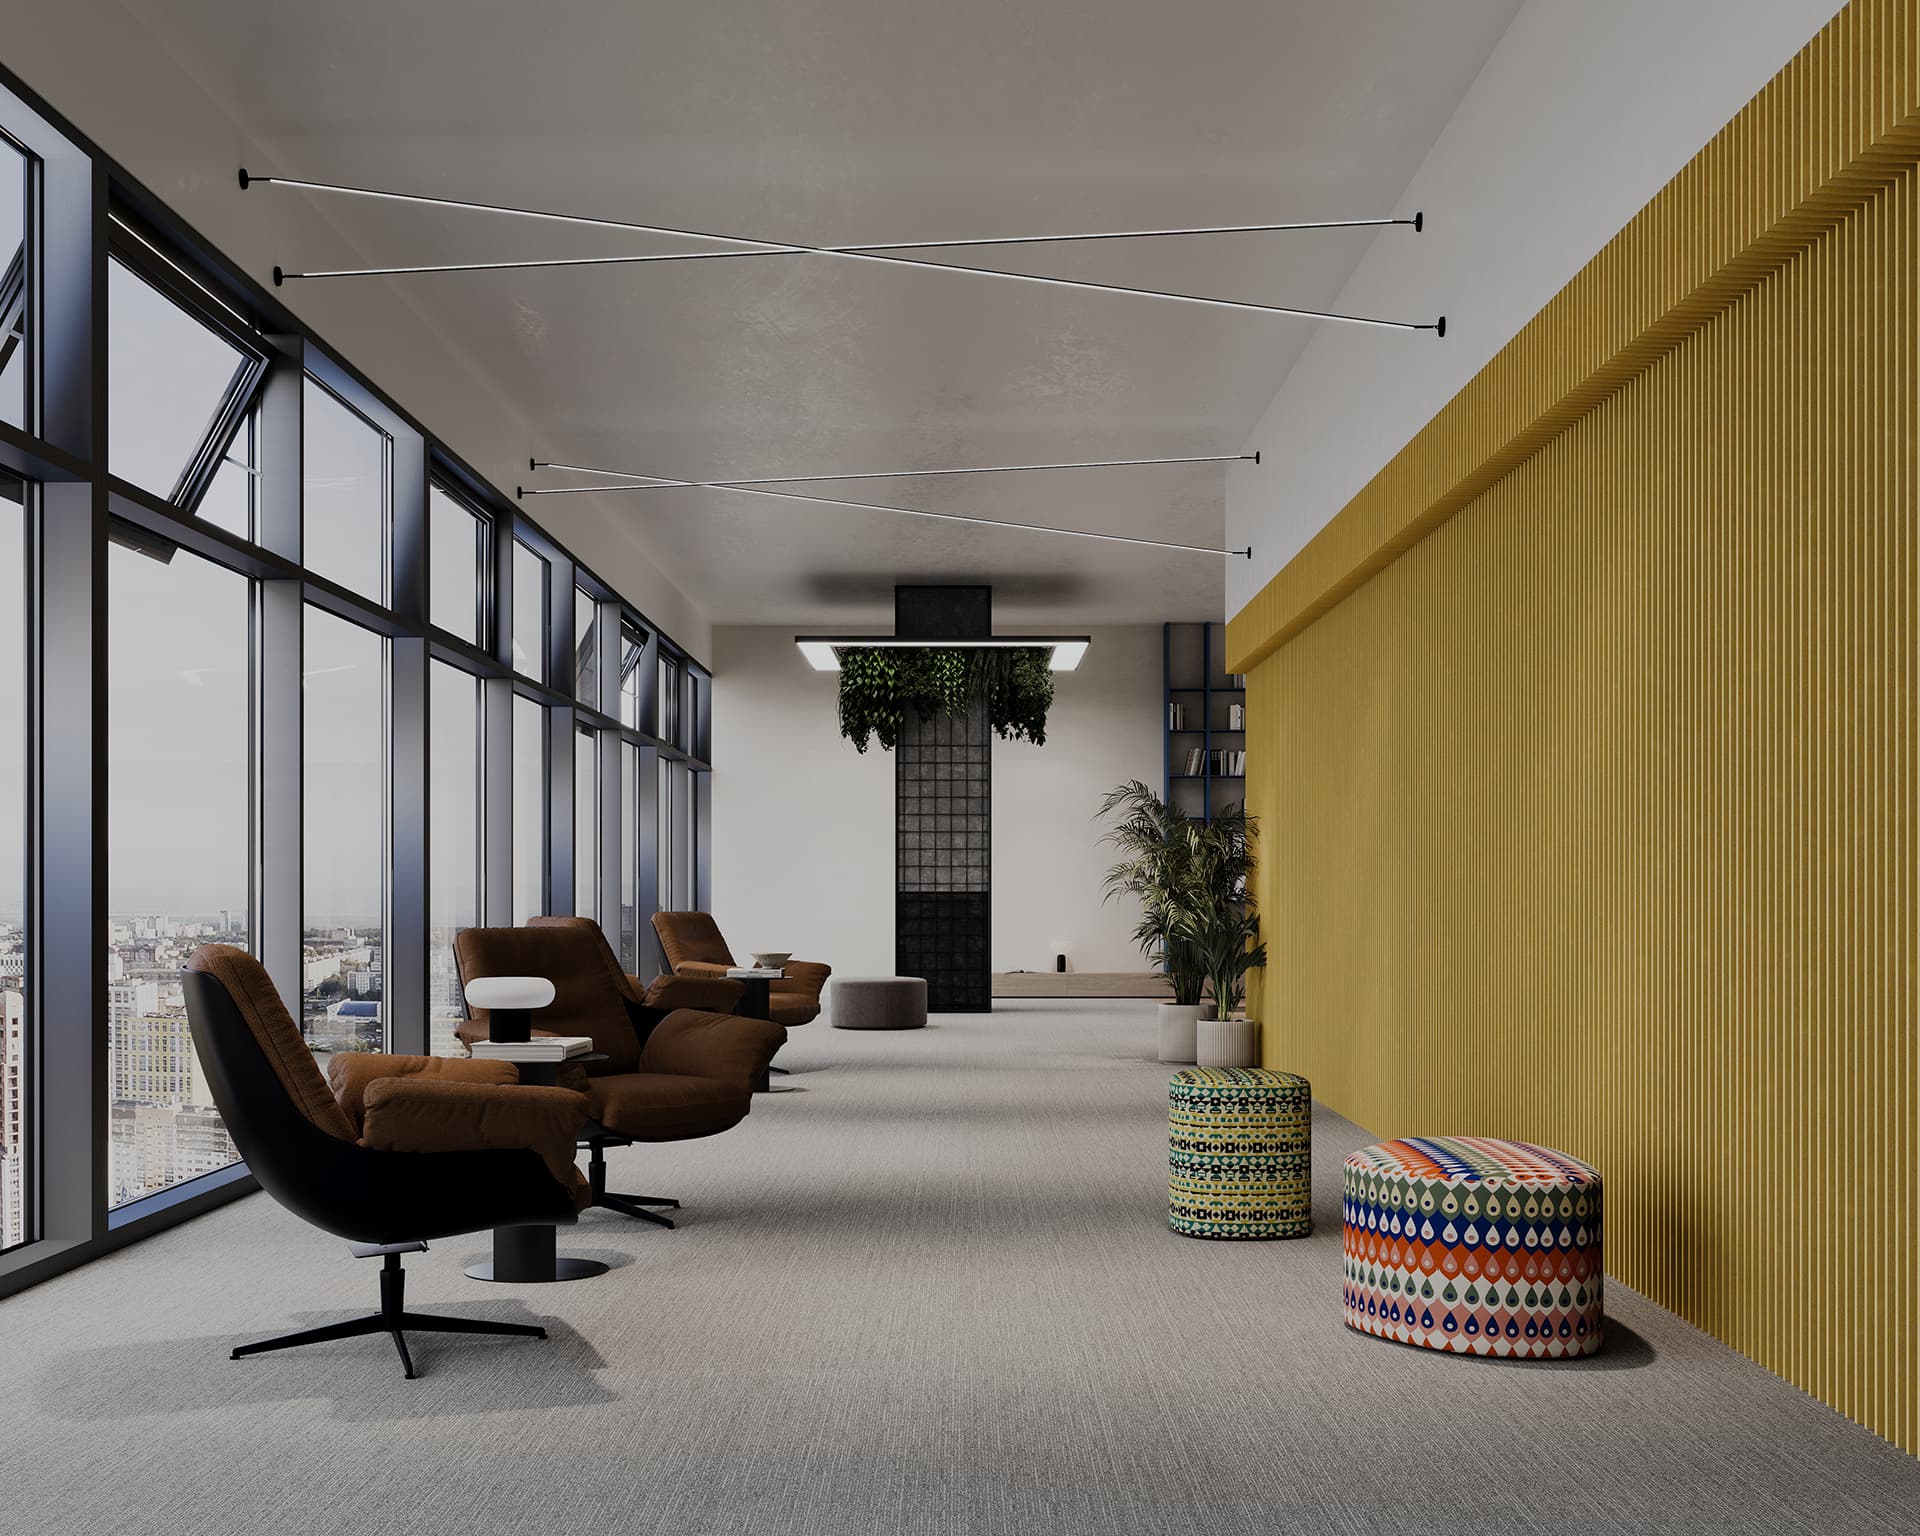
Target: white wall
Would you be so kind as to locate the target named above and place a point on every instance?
(96, 64)
(803, 824)
(1582, 113)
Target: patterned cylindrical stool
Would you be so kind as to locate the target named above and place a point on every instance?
(1473, 1245)
(1239, 1153)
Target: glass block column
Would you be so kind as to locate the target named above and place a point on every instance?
(943, 885)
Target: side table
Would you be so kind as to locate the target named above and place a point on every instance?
(756, 1002)
(525, 1255)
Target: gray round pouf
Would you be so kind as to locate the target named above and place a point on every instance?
(879, 1002)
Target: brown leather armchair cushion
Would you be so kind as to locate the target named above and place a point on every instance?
(425, 1112)
(351, 1073)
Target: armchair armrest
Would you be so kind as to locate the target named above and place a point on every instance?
(807, 976)
(709, 994)
(721, 1046)
(351, 1073)
(436, 1114)
(709, 968)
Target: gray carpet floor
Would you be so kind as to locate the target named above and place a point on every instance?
(929, 1290)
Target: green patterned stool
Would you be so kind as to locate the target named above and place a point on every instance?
(1239, 1153)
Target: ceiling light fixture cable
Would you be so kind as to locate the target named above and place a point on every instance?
(945, 517)
(844, 252)
(654, 483)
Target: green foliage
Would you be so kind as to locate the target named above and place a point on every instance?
(878, 685)
(1190, 878)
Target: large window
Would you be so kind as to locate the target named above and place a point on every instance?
(16, 1038)
(586, 823)
(344, 734)
(174, 388)
(453, 880)
(459, 541)
(630, 857)
(13, 286)
(344, 463)
(179, 823)
(529, 809)
(213, 705)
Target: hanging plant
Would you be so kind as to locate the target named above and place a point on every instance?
(878, 685)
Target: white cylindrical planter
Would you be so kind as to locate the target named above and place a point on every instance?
(1224, 1043)
(1177, 1021)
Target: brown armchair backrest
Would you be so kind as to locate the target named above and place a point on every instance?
(590, 990)
(692, 936)
(709, 994)
(258, 1001)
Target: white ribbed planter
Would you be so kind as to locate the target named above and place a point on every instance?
(1224, 1043)
(1177, 1021)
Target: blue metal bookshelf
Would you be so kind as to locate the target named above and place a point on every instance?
(1197, 704)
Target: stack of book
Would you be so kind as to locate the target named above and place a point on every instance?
(539, 1048)
(1219, 764)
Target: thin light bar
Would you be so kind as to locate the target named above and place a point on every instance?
(944, 517)
(792, 248)
(654, 484)
(823, 651)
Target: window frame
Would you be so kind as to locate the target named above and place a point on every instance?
(84, 210)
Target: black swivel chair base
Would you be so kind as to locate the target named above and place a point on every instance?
(626, 1205)
(393, 1317)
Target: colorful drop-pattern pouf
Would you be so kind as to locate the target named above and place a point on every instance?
(1473, 1245)
(1239, 1153)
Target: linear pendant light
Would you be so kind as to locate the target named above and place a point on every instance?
(944, 517)
(843, 252)
(653, 483)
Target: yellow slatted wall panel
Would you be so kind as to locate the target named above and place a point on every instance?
(1590, 820)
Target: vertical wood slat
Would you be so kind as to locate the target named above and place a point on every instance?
(1590, 820)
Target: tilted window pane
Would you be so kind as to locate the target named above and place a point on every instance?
(529, 809)
(229, 501)
(168, 377)
(586, 824)
(344, 821)
(179, 819)
(586, 648)
(16, 1038)
(456, 565)
(629, 856)
(633, 656)
(13, 286)
(453, 827)
(529, 614)
(344, 471)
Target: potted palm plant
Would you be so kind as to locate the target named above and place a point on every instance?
(1162, 865)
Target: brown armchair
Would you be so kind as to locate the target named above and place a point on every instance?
(397, 1150)
(693, 947)
(673, 1072)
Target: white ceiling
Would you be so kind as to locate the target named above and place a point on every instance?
(864, 120)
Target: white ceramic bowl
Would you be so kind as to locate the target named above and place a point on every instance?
(772, 959)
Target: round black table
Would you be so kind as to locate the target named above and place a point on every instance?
(529, 1255)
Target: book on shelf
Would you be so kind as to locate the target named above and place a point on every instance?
(1176, 715)
(1236, 717)
(540, 1048)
